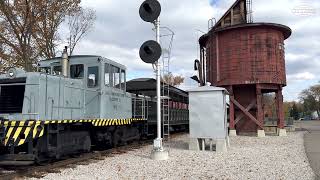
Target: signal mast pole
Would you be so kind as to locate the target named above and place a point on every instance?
(150, 52)
(157, 26)
(158, 152)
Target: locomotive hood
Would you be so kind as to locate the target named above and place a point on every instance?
(13, 73)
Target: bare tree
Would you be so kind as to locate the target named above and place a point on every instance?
(269, 105)
(2, 66)
(79, 24)
(29, 29)
(17, 19)
(172, 80)
(53, 14)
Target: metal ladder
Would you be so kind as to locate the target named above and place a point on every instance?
(139, 107)
(249, 11)
(166, 39)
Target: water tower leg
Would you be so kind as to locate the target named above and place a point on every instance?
(232, 131)
(281, 131)
(260, 115)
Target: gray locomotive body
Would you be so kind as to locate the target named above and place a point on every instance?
(58, 111)
(89, 92)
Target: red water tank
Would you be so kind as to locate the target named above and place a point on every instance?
(248, 60)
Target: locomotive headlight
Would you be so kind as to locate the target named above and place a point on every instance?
(12, 72)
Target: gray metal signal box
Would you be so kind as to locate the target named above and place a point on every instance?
(208, 117)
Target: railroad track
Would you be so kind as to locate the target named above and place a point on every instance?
(80, 159)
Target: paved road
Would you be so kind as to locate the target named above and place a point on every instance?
(312, 144)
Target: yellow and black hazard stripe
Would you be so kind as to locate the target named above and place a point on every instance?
(113, 122)
(98, 122)
(18, 132)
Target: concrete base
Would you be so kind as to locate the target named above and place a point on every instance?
(194, 144)
(232, 132)
(228, 141)
(221, 145)
(159, 155)
(201, 144)
(281, 132)
(261, 133)
(291, 128)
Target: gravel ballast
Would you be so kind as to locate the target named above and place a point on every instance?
(270, 157)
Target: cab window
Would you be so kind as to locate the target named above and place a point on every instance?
(107, 75)
(116, 77)
(46, 70)
(123, 79)
(93, 76)
(77, 71)
(57, 70)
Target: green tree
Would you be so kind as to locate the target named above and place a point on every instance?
(310, 98)
(294, 112)
(286, 109)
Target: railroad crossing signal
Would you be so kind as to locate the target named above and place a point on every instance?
(150, 51)
(150, 10)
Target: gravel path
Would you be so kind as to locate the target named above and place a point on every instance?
(248, 158)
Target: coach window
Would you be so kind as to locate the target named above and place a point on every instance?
(107, 75)
(123, 79)
(76, 71)
(116, 79)
(93, 76)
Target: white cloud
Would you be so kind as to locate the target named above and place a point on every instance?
(290, 57)
(119, 32)
(301, 76)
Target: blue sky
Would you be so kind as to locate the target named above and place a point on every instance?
(118, 35)
(213, 2)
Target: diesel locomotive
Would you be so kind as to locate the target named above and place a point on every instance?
(74, 103)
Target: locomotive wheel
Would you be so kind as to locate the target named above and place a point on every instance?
(87, 144)
(116, 140)
(38, 160)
